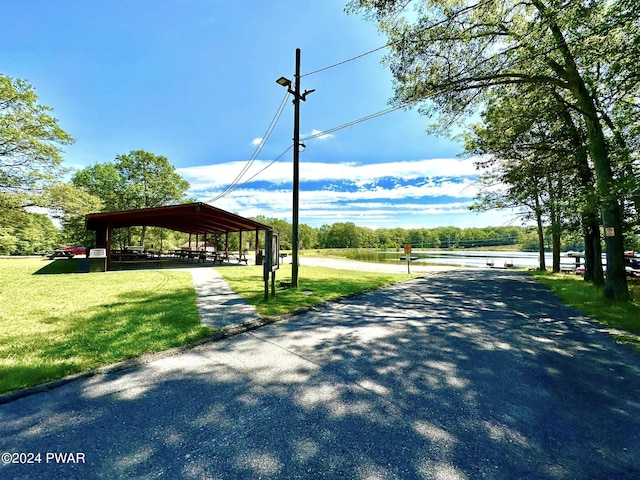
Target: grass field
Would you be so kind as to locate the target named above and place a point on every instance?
(623, 318)
(55, 325)
(317, 285)
(54, 322)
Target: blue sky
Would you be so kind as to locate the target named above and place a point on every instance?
(194, 80)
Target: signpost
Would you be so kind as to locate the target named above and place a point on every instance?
(271, 262)
(407, 255)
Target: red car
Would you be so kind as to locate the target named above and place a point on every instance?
(68, 252)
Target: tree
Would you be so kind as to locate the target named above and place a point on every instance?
(450, 55)
(308, 236)
(30, 145)
(136, 180)
(150, 180)
(343, 235)
(538, 156)
(104, 182)
(27, 233)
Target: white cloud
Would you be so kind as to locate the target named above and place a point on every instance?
(256, 141)
(220, 175)
(318, 135)
(442, 192)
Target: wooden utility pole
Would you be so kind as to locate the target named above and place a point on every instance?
(297, 96)
(296, 173)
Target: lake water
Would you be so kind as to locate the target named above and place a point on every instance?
(469, 258)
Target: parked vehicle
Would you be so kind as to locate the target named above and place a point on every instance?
(67, 252)
(632, 264)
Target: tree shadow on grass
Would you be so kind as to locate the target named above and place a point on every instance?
(458, 376)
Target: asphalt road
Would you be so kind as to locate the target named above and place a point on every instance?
(461, 375)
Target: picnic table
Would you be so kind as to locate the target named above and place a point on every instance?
(219, 257)
(61, 253)
(241, 257)
(188, 254)
(135, 256)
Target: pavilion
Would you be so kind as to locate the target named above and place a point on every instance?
(198, 219)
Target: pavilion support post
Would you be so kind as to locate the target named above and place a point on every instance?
(103, 240)
(239, 245)
(226, 244)
(108, 246)
(257, 245)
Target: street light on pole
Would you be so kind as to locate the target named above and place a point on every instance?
(297, 96)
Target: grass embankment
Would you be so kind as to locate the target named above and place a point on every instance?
(623, 318)
(317, 284)
(55, 325)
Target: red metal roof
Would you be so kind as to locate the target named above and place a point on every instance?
(197, 218)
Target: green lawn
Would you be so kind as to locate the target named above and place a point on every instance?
(54, 322)
(317, 284)
(623, 318)
(55, 325)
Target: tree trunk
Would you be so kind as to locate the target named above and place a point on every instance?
(555, 243)
(554, 214)
(143, 234)
(616, 279)
(543, 266)
(593, 271)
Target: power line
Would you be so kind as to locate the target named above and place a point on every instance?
(355, 122)
(236, 182)
(238, 185)
(346, 61)
(415, 32)
(257, 151)
(311, 137)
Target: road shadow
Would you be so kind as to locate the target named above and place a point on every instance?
(460, 375)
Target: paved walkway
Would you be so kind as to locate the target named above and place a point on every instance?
(218, 305)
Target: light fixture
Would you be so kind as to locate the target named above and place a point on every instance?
(285, 82)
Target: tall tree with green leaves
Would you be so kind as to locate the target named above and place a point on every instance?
(135, 180)
(537, 152)
(30, 145)
(150, 180)
(448, 55)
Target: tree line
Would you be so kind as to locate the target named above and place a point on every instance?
(350, 235)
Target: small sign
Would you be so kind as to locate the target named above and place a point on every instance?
(407, 248)
(609, 232)
(275, 251)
